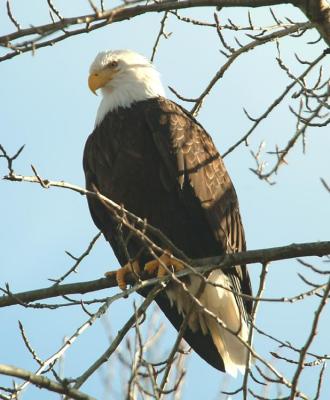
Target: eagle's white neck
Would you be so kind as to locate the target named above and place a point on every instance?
(137, 83)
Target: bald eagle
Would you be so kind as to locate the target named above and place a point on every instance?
(150, 155)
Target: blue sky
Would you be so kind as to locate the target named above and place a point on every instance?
(45, 104)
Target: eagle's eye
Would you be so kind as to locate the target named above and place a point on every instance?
(113, 64)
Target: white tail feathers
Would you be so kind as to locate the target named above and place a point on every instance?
(222, 303)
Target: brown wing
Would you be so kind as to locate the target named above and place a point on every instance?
(191, 159)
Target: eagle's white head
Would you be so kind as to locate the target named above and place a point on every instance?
(124, 77)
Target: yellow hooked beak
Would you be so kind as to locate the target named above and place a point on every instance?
(98, 80)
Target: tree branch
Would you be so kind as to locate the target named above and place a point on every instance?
(311, 337)
(121, 334)
(263, 256)
(318, 11)
(43, 382)
(123, 12)
(244, 49)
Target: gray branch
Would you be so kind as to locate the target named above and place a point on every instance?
(317, 11)
(262, 256)
(43, 382)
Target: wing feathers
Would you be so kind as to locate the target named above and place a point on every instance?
(192, 160)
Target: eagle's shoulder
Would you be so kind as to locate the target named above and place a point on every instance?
(196, 152)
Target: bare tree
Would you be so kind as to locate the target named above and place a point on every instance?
(133, 354)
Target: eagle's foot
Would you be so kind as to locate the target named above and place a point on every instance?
(162, 265)
(130, 267)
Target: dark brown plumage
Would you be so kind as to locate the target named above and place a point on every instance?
(158, 161)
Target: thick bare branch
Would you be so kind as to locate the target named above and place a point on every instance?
(43, 382)
(202, 265)
(320, 16)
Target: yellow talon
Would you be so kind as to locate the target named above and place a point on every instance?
(131, 266)
(165, 260)
(158, 267)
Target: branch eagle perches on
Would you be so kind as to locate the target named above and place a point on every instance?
(139, 226)
(263, 256)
